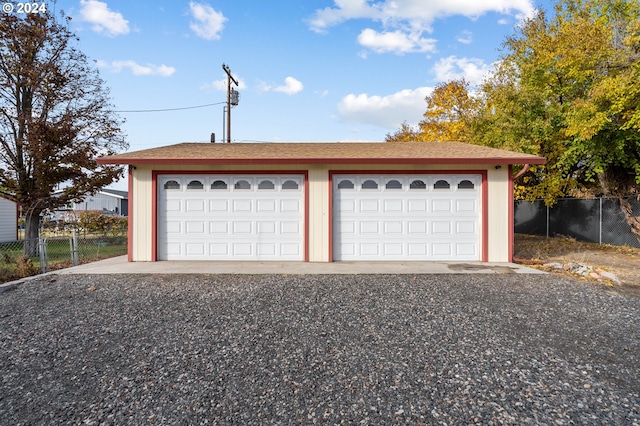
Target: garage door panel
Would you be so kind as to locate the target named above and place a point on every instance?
(266, 227)
(192, 227)
(230, 217)
(393, 227)
(393, 249)
(242, 227)
(466, 206)
(242, 205)
(290, 249)
(266, 205)
(440, 206)
(468, 251)
(369, 228)
(419, 205)
(174, 206)
(442, 249)
(195, 249)
(242, 249)
(439, 228)
(266, 249)
(290, 228)
(417, 227)
(393, 205)
(369, 206)
(370, 249)
(219, 249)
(194, 206)
(413, 216)
(466, 228)
(218, 227)
(218, 205)
(174, 227)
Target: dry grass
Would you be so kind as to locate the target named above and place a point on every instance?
(623, 261)
(541, 248)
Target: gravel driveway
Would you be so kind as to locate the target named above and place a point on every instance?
(293, 349)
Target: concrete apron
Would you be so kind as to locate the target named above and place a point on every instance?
(119, 265)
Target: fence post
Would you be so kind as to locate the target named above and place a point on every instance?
(600, 220)
(547, 221)
(74, 255)
(41, 248)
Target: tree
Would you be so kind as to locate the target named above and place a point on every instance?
(450, 107)
(55, 117)
(566, 88)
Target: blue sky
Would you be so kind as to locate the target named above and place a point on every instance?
(309, 70)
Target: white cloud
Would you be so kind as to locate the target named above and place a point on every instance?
(453, 68)
(137, 69)
(404, 22)
(291, 86)
(103, 20)
(416, 13)
(222, 84)
(395, 41)
(465, 37)
(208, 23)
(388, 112)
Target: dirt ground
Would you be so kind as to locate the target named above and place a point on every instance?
(624, 261)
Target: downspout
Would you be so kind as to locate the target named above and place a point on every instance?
(521, 172)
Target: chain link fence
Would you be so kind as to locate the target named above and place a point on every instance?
(23, 258)
(597, 220)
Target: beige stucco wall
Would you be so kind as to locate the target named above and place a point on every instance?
(318, 202)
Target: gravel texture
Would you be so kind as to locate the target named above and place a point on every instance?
(330, 349)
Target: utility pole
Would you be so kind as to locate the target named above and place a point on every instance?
(230, 101)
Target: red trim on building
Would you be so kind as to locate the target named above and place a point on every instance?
(130, 217)
(330, 216)
(511, 219)
(484, 240)
(154, 198)
(485, 217)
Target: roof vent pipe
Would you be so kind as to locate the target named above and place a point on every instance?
(213, 138)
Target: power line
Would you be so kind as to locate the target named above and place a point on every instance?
(172, 109)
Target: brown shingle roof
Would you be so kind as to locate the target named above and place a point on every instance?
(291, 153)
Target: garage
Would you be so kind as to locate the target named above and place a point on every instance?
(407, 216)
(230, 217)
(322, 201)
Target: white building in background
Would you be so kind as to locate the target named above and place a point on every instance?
(109, 201)
(8, 219)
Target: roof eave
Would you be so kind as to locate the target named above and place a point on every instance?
(236, 161)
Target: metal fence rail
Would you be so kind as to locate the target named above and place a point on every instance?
(597, 220)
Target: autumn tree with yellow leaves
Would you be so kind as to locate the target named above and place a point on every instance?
(566, 88)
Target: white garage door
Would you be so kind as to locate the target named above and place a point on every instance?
(406, 217)
(230, 217)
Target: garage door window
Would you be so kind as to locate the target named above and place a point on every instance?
(466, 184)
(418, 184)
(393, 184)
(266, 184)
(242, 184)
(290, 184)
(195, 184)
(441, 184)
(219, 184)
(171, 184)
(346, 184)
(369, 184)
